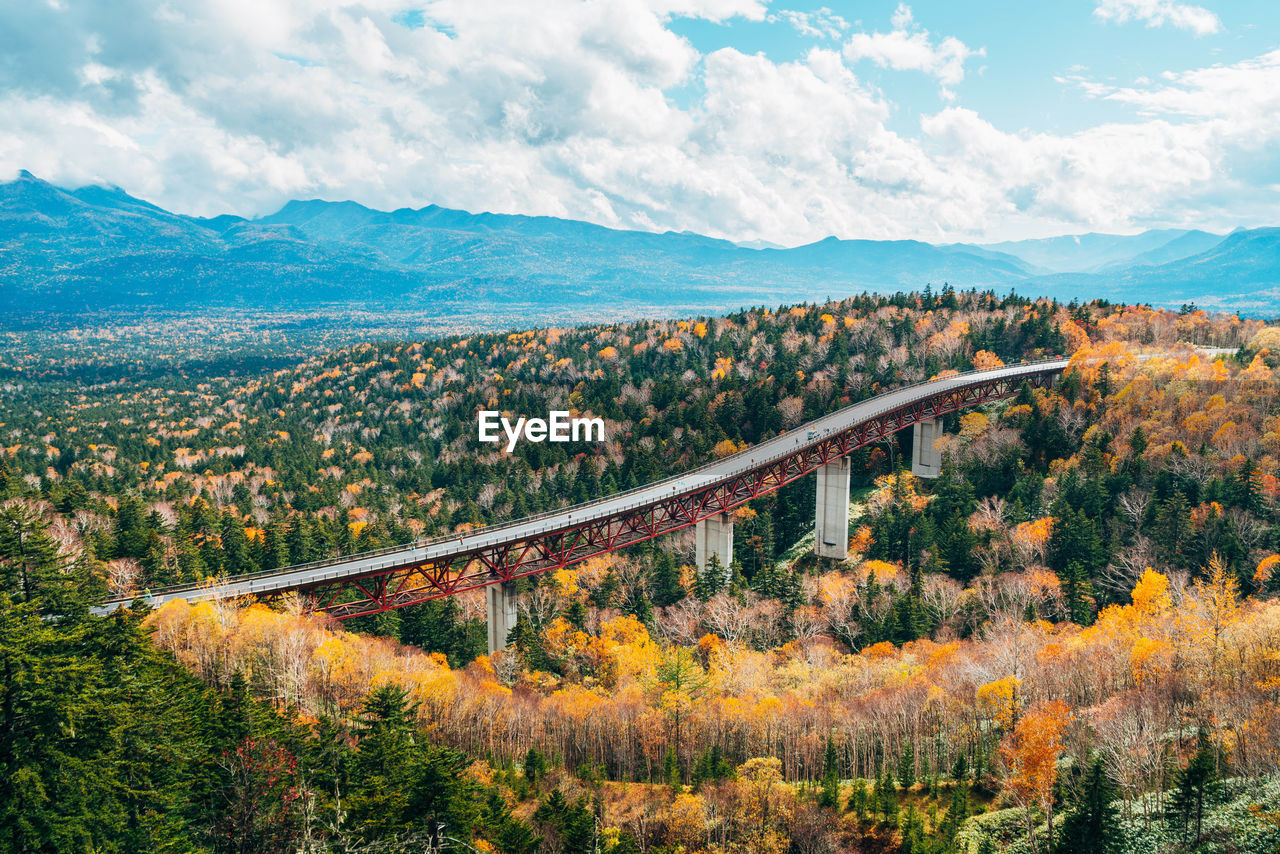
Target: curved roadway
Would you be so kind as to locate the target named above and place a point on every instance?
(509, 532)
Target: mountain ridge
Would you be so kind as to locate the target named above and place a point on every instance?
(99, 247)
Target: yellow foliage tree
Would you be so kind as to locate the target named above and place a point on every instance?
(998, 700)
(1151, 593)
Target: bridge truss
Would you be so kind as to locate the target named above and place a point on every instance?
(395, 587)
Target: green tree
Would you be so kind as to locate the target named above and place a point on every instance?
(1092, 823)
(884, 795)
(911, 826)
(236, 557)
(1197, 786)
(957, 813)
(830, 776)
(32, 570)
(1173, 527)
(664, 581)
(711, 765)
(528, 644)
(401, 784)
(437, 626)
(860, 801)
(569, 826)
(535, 766)
(671, 770)
(710, 580)
(907, 765)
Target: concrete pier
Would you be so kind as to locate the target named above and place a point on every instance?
(500, 605)
(714, 536)
(926, 459)
(831, 511)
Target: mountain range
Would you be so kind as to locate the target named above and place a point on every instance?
(75, 251)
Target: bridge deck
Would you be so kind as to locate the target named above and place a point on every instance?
(694, 481)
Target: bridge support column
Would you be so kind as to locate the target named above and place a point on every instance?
(926, 459)
(714, 536)
(831, 516)
(500, 605)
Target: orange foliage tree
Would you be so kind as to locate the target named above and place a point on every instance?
(1030, 754)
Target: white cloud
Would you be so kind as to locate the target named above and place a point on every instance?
(909, 48)
(711, 10)
(1107, 176)
(597, 111)
(1157, 13)
(819, 24)
(1246, 94)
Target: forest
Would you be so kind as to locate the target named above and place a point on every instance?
(1068, 642)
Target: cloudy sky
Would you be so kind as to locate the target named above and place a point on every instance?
(748, 119)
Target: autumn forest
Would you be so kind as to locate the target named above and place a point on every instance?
(1067, 642)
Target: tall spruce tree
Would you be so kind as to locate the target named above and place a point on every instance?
(1092, 823)
(830, 776)
(1197, 787)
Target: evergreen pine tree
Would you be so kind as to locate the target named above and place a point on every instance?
(572, 825)
(535, 766)
(1173, 528)
(299, 541)
(607, 591)
(671, 770)
(664, 581)
(710, 581)
(383, 772)
(1092, 823)
(236, 558)
(1138, 440)
(885, 796)
(32, 571)
(957, 813)
(859, 800)
(528, 645)
(1197, 785)
(907, 765)
(911, 826)
(830, 777)
(276, 545)
(735, 578)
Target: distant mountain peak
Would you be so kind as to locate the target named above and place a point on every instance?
(98, 246)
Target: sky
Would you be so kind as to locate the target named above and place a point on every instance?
(781, 122)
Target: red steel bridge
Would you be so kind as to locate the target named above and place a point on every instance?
(496, 555)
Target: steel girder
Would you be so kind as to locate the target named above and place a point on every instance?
(385, 590)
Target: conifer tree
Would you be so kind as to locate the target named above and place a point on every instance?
(31, 569)
(907, 765)
(671, 770)
(830, 776)
(1197, 786)
(664, 581)
(710, 581)
(859, 800)
(1092, 824)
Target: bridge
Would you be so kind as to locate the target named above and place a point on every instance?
(493, 557)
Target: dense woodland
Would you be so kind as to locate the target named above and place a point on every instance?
(1068, 642)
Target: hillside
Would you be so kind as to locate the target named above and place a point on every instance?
(82, 251)
(1241, 271)
(1087, 253)
(1070, 633)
